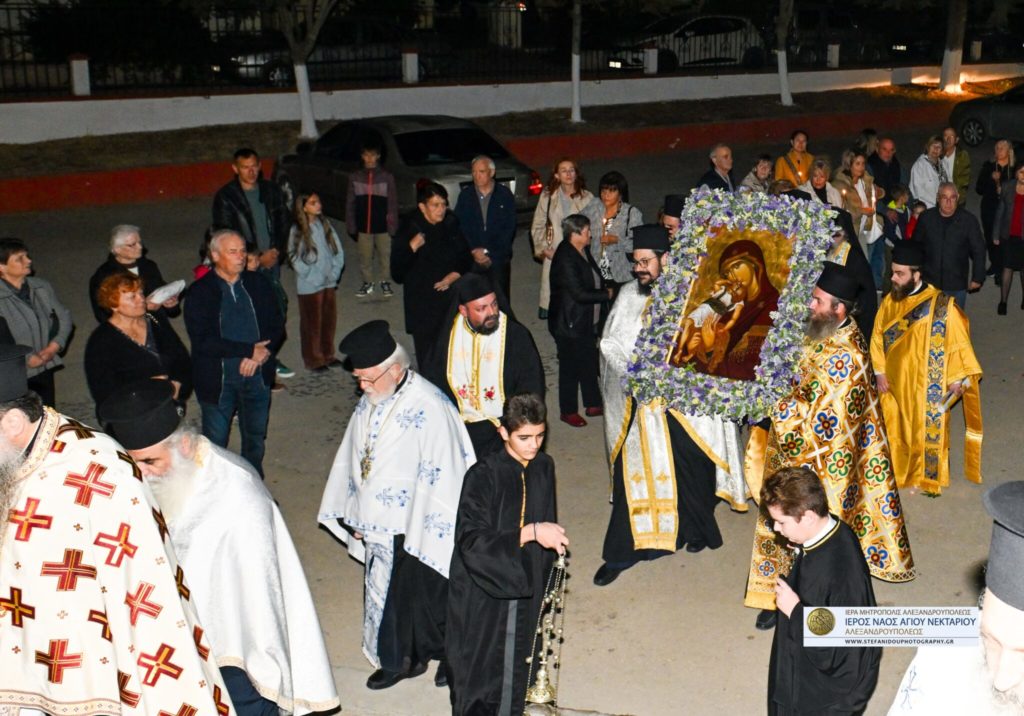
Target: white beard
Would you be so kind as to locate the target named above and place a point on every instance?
(174, 489)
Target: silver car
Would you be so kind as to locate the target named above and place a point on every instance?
(681, 42)
(998, 117)
(416, 148)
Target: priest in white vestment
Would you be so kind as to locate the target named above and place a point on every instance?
(668, 469)
(244, 574)
(96, 616)
(391, 496)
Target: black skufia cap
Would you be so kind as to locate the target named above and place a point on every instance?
(836, 281)
(652, 237)
(908, 253)
(141, 414)
(1005, 573)
(473, 286)
(368, 345)
(13, 375)
(674, 204)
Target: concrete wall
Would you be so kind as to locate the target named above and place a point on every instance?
(24, 122)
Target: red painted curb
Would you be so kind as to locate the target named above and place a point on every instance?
(541, 151)
(129, 186)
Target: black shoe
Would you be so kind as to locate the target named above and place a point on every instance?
(695, 547)
(542, 314)
(381, 679)
(606, 574)
(1001, 308)
(766, 619)
(441, 677)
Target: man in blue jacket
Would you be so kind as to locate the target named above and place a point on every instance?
(236, 327)
(487, 214)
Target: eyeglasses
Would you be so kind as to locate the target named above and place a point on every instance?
(642, 263)
(367, 381)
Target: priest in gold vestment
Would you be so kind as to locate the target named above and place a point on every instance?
(830, 422)
(923, 361)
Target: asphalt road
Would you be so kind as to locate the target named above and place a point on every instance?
(669, 637)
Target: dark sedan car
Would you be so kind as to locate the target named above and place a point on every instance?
(416, 147)
(998, 117)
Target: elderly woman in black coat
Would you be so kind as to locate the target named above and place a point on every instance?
(577, 300)
(127, 256)
(428, 255)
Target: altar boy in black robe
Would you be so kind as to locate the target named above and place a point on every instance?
(506, 540)
(829, 570)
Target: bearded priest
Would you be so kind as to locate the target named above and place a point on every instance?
(244, 574)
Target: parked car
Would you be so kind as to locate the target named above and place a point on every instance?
(816, 26)
(348, 48)
(416, 148)
(683, 42)
(1000, 117)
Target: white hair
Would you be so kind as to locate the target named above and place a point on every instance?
(947, 185)
(484, 158)
(714, 149)
(220, 235)
(399, 357)
(119, 234)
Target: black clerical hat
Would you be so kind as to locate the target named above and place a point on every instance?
(674, 204)
(837, 281)
(141, 414)
(473, 286)
(908, 253)
(1005, 576)
(13, 378)
(368, 345)
(653, 237)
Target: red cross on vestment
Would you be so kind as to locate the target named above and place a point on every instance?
(68, 571)
(18, 609)
(27, 520)
(179, 579)
(82, 432)
(131, 698)
(158, 664)
(197, 635)
(98, 617)
(89, 483)
(222, 708)
(185, 710)
(58, 659)
(139, 603)
(118, 545)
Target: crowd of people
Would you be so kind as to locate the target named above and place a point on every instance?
(440, 485)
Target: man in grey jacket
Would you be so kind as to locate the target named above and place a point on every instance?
(953, 246)
(34, 315)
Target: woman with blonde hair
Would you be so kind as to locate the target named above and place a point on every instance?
(316, 255)
(565, 194)
(819, 187)
(860, 197)
(995, 173)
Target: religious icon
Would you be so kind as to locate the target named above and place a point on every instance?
(729, 308)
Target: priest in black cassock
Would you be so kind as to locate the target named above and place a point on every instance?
(847, 251)
(482, 356)
(506, 539)
(828, 570)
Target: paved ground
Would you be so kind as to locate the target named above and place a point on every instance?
(667, 638)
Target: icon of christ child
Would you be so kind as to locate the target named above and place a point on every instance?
(700, 330)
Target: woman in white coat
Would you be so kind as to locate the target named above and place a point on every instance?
(565, 195)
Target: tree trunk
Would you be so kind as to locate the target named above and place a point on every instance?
(577, 21)
(952, 56)
(308, 127)
(782, 22)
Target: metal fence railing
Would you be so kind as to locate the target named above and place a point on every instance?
(136, 47)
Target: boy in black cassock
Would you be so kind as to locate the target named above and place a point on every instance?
(829, 570)
(505, 544)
